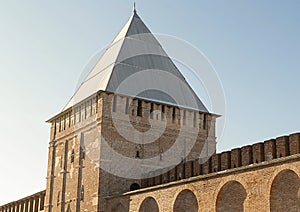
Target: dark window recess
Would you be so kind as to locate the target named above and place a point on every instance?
(58, 198)
(83, 154)
(151, 110)
(173, 114)
(134, 186)
(162, 112)
(59, 129)
(184, 117)
(137, 154)
(139, 108)
(204, 121)
(195, 119)
(82, 193)
(115, 103)
(72, 156)
(127, 105)
(192, 168)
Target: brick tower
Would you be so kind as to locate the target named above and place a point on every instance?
(112, 135)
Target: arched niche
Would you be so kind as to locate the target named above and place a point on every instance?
(186, 201)
(284, 194)
(231, 197)
(149, 205)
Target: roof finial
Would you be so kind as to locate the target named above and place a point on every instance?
(134, 10)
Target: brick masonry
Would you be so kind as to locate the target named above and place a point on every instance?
(256, 177)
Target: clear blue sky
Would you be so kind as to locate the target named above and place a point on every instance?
(254, 46)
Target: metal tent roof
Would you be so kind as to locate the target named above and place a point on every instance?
(136, 65)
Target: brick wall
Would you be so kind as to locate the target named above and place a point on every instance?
(282, 146)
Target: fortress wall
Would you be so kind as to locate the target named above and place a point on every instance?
(282, 146)
(236, 157)
(294, 144)
(33, 203)
(269, 186)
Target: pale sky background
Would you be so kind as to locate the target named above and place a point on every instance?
(44, 46)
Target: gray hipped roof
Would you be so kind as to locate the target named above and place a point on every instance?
(136, 65)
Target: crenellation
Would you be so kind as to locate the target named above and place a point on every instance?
(163, 112)
(33, 203)
(239, 157)
(282, 146)
(236, 158)
(205, 167)
(294, 143)
(246, 155)
(225, 160)
(189, 169)
(258, 152)
(270, 149)
(216, 162)
(158, 179)
(196, 167)
(179, 171)
(172, 174)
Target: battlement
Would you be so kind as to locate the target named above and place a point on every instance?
(142, 110)
(103, 104)
(268, 150)
(32, 203)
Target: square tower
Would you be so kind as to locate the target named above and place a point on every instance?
(112, 136)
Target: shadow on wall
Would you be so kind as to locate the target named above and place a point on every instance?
(231, 197)
(284, 194)
(149, 205)
(186, 201)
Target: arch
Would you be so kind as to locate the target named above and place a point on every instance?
(149, 205)
(231, 197)
(284, 191)
(186, 201)
(134, 186)
(119, 208)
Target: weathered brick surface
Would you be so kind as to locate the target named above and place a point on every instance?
(294, 143)
(225, 160)
(247, 189)
(258, 152)
(282, 146)
(32, 203)
(270, 149)
(246, 155)
(78, 183)
(236, 157)
(216, 162)
(75, 182)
